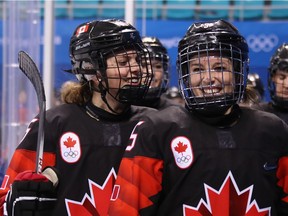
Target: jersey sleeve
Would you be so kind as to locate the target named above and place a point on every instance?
(138, 183)
(282, 174)
(24, 158)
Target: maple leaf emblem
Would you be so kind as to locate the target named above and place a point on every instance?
(97, 203)
(229, 200)
(70, 143)
(180, 148)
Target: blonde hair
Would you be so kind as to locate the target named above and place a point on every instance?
(251, 96)
(74, 92)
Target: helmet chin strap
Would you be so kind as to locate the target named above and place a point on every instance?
(103, 93)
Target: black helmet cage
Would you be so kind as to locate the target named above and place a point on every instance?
(164, 58)
(222, 44)
(279, 61)
(158, 52)
(104, 39)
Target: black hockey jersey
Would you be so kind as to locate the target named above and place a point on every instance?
(157, 103)
(85, 144)
(179, 165)
(268, 107)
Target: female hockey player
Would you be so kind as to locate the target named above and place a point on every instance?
(85, 137)
(161, 74)
(211, 157)
(278, 84)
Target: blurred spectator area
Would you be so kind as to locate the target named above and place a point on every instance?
(232, 10)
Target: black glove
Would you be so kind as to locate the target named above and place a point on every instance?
(31, 194)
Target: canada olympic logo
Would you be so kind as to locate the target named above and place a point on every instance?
(182, 151)
(262, 42)
(70, 147)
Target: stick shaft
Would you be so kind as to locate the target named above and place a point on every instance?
(29, 68)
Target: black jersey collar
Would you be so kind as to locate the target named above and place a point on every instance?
(102, 115)
(222, 121)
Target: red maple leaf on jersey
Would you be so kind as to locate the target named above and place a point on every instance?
(97, 203)
(180, 148)
(229, 200)
(70, 143)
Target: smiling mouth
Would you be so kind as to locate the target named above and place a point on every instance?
(285, 91)
(211, 90)
(133, 81)
(284, 94)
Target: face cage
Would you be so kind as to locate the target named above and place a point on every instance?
(276, 100)
(156, 92)
(139, 75)
(213, 101)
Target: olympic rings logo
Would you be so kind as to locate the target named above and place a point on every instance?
(71, 153)
(264, 43)
(183, 159)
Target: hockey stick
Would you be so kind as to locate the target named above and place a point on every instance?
(29, 68)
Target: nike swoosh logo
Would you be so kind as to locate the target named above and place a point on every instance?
(269, 166)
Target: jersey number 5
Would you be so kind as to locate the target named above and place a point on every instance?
(133, 137)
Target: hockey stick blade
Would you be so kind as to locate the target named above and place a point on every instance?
(29, 68)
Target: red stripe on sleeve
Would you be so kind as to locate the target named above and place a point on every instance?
(282, 174)
(139, 178)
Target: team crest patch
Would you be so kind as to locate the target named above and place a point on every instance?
(182, 152)
(70, 147)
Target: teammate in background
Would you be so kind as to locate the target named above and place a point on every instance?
(161, 65)
(199, 160)
(86, 137)
(173, 94)
(254, 92)
(278, 84)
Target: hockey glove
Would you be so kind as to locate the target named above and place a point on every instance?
(32, 194)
